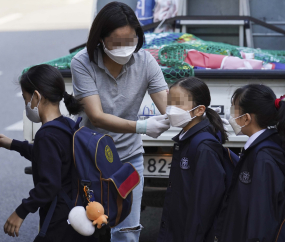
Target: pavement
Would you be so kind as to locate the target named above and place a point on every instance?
(19, 15)
(32, 32)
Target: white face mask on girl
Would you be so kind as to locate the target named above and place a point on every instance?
(179, 117)
(33, 114)
(237, 128)
(121, 55)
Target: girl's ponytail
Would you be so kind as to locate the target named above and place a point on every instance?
(73, 106)
(217, 123)
(261, 101)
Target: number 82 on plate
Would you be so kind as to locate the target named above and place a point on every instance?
(158, 166)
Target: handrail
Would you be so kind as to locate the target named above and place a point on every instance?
(206, 17)
(225, 17)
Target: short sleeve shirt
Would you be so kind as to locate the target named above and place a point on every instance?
(121, 96)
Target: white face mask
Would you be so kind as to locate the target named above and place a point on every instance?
(33, 114)
(179, 117)
(237, 128)
(121, 55)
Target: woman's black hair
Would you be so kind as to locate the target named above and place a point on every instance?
(260, 100)
(200, 94)
(112, 16)
(48, 81)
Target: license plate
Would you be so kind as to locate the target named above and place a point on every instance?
(157, 166)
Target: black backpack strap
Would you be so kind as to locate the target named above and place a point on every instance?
(268, 144)
(195, 142)
(67, 199)
(49, 215)
(50, 212)
(68, 129)
(219, 135)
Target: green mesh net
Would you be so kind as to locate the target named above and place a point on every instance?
(175, 54)
(265, 55)
(172, 74)
(62, 63)
(170, 50)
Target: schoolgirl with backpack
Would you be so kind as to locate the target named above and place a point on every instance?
(68, 163)
(201, 168)
(254, 206)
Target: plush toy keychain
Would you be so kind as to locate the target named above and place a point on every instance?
(95, 212)
(81, 220)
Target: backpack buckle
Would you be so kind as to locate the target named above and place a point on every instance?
(86, 183)
(88, 193)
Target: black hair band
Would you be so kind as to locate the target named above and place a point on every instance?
(65, 96)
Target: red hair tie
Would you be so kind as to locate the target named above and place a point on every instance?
(278, 100)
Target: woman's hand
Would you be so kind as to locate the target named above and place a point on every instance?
(5, 142)
(13, 225)
(153, 126)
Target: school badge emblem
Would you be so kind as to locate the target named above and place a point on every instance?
(244, 177)
(184, 163)
(109, 154)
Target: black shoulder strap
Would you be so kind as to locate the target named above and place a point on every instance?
(49, 215)
(272, 145)
(267, 144)
(195, 142)
(68, 129)
(52, 207)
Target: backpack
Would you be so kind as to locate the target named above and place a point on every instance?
(280, 234)
(229, 159)
(99, 174)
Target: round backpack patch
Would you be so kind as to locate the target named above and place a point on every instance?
(109, 154)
